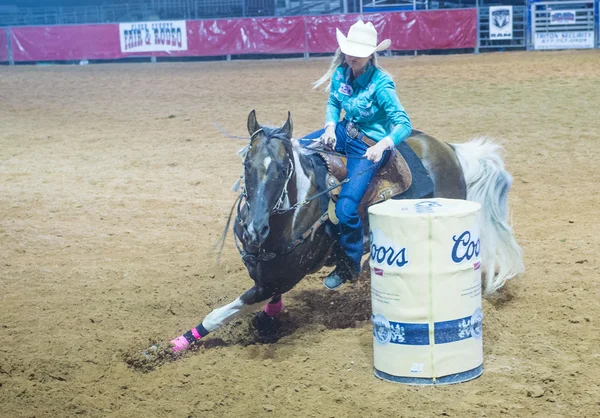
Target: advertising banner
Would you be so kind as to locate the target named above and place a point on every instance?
(501, 22)
(562, 17)
(436, 29)
(163, 36)
(564, 40)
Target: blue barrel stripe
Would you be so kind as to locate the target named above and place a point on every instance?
(409, 334)
(459, 329)
(418, 334)
(451, 331)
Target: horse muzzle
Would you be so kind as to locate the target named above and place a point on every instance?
(256, 233)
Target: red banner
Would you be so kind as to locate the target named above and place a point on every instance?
(63, 43)
(247, 36)
(3, 45)
(77, 42)
(409, 31)
(434, 29)
(320, 30)
(440, 29)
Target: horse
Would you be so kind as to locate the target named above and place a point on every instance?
(280, 230)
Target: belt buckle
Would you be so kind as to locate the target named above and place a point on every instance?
(352, 131)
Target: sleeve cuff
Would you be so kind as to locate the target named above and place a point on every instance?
(330, 123)
(390, 142)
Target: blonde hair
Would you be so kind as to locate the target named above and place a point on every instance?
(339, 58)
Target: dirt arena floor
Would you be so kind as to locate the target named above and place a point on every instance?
(115, 185)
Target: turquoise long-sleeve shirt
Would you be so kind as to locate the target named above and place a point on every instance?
(370, 102)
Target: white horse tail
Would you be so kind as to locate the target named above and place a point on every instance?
(488, 184)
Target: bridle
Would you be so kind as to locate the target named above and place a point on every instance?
(283, 197)
(261, 254)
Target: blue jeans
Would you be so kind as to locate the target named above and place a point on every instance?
(346, 209)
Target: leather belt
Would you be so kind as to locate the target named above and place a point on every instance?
(353, 132)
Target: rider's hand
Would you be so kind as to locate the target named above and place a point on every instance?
(328, 137)
(375, 153)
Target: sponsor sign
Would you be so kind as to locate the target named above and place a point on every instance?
(562, 17)
(501, 22)
(564, 40)
(162, 36)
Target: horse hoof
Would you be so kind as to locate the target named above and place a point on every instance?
(264, 323)
(180, 344)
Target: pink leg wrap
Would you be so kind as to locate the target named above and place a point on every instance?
(196, 334)
(274, 309)
(180, 343)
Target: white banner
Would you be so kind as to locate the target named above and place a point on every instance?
(163, 36)
(564, 40)
(501, 22)
(562, 17)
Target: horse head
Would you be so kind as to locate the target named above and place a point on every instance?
(268, 166)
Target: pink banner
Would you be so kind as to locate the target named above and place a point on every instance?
(63, 43)
(247, 36)
(434, 29)
(77, 42)
(3, 45)
(442, 29)
(439, 29)
(320, 30)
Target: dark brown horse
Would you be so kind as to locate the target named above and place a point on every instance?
(283, 200)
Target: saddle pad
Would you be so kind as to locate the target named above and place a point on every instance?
(422, 185)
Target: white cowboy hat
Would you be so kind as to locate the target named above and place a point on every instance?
(361, 41)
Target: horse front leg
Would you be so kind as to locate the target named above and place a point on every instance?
(250, 301)
(266, 321)
(274, 307)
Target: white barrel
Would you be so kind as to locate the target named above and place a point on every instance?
(426, 291)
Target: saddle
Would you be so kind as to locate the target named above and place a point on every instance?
(393, 178)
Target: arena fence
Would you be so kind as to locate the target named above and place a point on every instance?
(144, 10)
(421, 30)
(5, 55)
(541, 25)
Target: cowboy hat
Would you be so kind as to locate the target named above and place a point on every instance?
(361, 41)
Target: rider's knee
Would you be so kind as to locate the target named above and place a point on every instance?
(346, 211)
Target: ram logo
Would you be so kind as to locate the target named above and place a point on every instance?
(501, 18)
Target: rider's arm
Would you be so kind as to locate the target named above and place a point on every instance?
(388, 100)
(334, 106)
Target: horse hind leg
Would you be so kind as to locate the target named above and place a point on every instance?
(246, 303)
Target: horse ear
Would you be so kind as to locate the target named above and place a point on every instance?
(253, 125)
(288, 127)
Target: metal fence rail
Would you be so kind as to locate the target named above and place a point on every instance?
(169, 10)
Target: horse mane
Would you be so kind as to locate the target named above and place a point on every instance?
(275, 132)
(313, 160)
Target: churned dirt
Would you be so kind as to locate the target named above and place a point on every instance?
(115, 186)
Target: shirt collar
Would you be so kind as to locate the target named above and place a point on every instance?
(363, 79)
